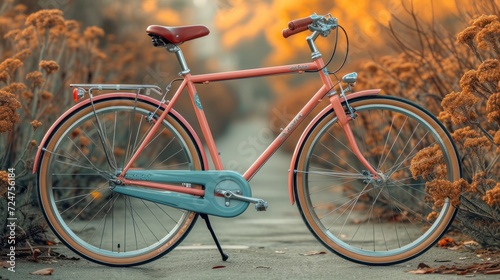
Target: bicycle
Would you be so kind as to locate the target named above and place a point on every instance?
(123, 177)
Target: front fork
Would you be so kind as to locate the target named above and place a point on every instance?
(344, 117)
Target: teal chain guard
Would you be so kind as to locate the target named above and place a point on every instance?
(211, 180)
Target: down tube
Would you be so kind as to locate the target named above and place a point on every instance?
(287, 131)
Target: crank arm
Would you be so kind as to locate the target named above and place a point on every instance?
(260, 204)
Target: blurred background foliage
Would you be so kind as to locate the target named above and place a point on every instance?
(407, 48)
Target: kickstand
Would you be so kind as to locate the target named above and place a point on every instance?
(209, 226)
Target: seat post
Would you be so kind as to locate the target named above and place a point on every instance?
(180, 57)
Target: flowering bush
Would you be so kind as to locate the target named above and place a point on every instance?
(41, 52)
(458, 80)
(474, 113)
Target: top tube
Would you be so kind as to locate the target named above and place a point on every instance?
(256, 72)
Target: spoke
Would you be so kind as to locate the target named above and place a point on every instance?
(334, 153)
(91, 166)
(386, 141)
(334, 174)
(129, 209)
(103, 218)
(154, 215)
(137, 136)
(164, 148)
(114, 133)
(83, 197)
(395, 139)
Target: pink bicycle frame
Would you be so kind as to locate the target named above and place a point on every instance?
(190, 81)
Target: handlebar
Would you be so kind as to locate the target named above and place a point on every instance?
(301, 22)
(289, 32)
(321, 24)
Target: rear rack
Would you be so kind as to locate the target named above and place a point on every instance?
(90, 87)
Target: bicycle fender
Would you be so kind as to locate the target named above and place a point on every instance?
(109, 96)
(291, 170)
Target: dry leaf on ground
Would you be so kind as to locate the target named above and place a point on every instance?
(482, 268)
(218, 266)
(44, 271)
(312, 253)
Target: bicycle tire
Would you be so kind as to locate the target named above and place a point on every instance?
(100, 225)
(368, 222)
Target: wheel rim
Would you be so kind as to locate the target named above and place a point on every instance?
(352, 217)
(101, 225)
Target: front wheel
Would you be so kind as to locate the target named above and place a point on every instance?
(84, 152)
(385, 221)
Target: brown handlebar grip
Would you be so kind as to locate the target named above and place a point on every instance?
(298, 23)
(289, 32)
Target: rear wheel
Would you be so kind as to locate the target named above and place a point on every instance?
(376, 222)
(80, 157)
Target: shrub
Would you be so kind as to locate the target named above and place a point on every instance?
(458, 80)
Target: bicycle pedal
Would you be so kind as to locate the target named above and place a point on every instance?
(261, 205)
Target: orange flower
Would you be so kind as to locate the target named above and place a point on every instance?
(10, 65)
(93, 32)
(4, 77)
(20, 8)
(84, 141)
(492, 196)
(14, 88)
(426, 162)
(489, 71)
(496, 138)
(36, 124)
(12, 34)
(493, 108)
(46, 95)
(8, 107)
(478, 146)
(46, 19)
(22, 55)
(444, 116)
(467, 36)
(72, 25)
(440, 190)
(489, 36)
(469, 81)
(27, 95)
(33, 143)
(371, 67)
(35, 78)
(49, 66)
(4, 182)
(460, 105)
(75, 133)
(484, 20)
(461, 134)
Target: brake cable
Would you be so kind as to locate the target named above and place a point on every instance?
(333, 53)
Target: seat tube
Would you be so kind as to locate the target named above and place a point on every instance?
(202, 120)
(198, 109)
